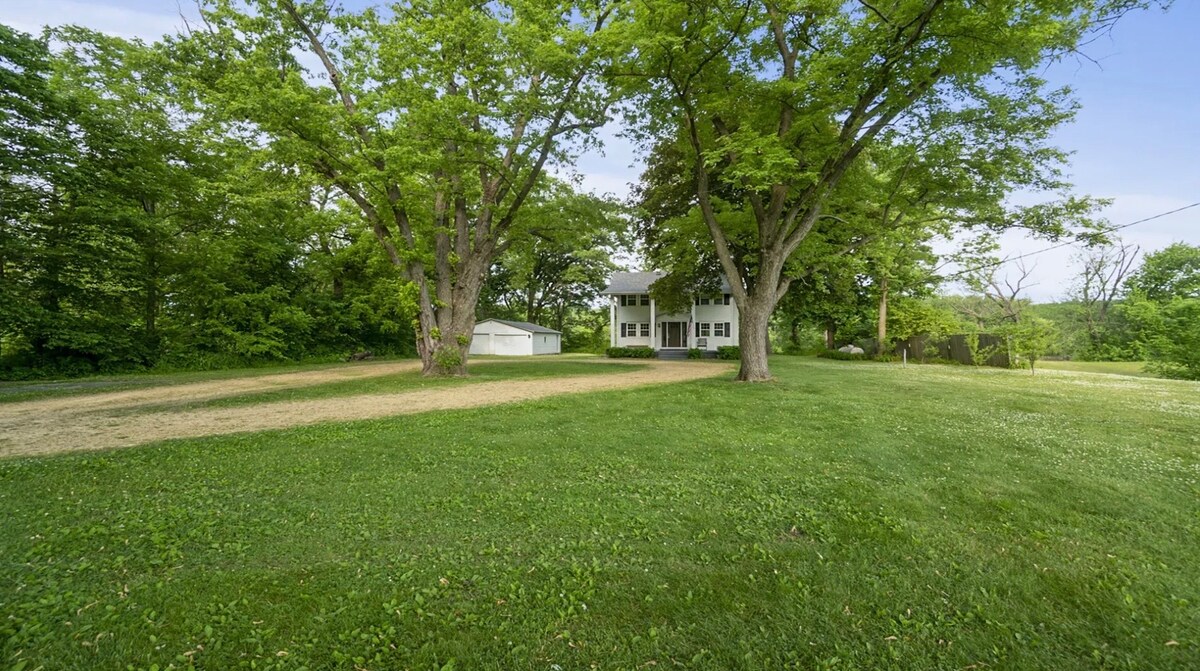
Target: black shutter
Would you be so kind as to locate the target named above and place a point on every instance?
(728, 333)
(727, 299)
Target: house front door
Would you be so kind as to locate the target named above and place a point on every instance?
(674, 335)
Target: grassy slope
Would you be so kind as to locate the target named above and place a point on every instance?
(850, 515)
(1135, 368)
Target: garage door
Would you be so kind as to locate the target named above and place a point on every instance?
(545, 343)
(511, 344)
(481, 343)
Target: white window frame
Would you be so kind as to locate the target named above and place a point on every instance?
(705, 329)
(644, 329)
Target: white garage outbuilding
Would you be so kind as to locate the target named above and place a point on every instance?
(500, 336)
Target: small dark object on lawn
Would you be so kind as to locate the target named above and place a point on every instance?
(361, 356)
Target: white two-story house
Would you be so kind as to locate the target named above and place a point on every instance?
(634, 320)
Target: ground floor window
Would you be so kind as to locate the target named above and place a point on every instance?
(703, 329)
(721, 330)
(632, 329)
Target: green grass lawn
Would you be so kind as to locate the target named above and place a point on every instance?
(1135, 368)
(848, 516)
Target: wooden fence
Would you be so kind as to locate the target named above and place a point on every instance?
(992, 349)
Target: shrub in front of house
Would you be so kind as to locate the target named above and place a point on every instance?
(695, 353)
(729, 352)
(629, 353)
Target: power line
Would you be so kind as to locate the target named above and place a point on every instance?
(1069, 242)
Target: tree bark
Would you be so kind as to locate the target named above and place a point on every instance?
(753, 320)
(447, 345)
(881, 332)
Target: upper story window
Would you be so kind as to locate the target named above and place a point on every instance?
(719, 299)
(633, 300)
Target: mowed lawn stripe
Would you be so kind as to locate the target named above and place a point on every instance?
(101, 425)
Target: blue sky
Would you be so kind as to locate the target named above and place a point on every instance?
(1136, 139)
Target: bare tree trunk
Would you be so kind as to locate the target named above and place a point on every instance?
(753, 320)
(531, 315)
(881, 334)
(448, 344)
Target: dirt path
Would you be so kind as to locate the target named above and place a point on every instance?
(93, 422)
(207, 390)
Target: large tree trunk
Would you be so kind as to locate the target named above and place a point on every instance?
(444, 352)
(881, 334)
(447, 326)
(754, 318)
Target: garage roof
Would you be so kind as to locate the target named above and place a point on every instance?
(524, 326)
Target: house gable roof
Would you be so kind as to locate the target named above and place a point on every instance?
(639, 282)
(524, 326)
(632, 283)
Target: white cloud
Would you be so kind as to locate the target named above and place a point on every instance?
(607, 184)
(107, 17)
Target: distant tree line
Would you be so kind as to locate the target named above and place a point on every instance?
(135, 237)
(138, 230)
(1119, 310)
(1121, 306)
(296, 178)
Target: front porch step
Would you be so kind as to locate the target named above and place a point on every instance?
(672, 354)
